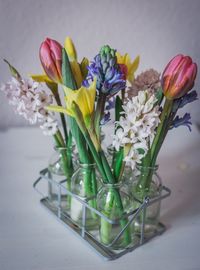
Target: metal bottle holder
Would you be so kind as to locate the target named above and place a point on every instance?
(54, 205)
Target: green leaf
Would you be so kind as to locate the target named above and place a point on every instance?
(13, 71)
(67, 75)
(53, 87)
(118, 108)
(118, 161)
(118, 156)
(159, 95)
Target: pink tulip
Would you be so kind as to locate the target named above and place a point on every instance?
(178, 77)
(51, 59)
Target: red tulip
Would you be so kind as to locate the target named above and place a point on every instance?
(178, 77)
(51, 59)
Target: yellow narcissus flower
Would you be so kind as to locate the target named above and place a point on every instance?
(131, 66)
(71, 52)
(70, 49)
(83, 97)
(41, 78)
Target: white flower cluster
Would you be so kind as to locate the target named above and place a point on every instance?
(50, 126)
(136, 128)
(29, 100)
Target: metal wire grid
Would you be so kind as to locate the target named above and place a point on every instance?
(104, 250)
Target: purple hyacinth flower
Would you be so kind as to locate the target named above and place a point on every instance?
(182, 121)
(110, 78)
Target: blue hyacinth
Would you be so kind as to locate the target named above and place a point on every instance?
(110, 79)
(110, 104)
(182, 121)
(184, 100)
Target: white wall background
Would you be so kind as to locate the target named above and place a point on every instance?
(156, 29)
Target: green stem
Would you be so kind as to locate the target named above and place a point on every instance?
(114, 203)
(99, 113)
(150, 159)
(101, 163)
(60, 138)
(62, 117)
(66, 161)
(144, 180)
(54, 89)
(107, 169)
(121, 171)
(90, 188)
(161, 128)
(106, 227)
(95, 153)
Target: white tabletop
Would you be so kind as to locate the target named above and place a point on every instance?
(31, 238)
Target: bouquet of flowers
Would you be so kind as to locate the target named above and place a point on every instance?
(115, 179)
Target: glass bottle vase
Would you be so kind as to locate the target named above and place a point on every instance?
(60, 168)
(84, 186)
(147, 184)
(114, 201)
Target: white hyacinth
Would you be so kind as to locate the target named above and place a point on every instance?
(50, 126)
(29, 100)
(137, 126)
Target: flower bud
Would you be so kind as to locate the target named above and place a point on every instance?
(178, 77)
(51, 59)
(70, 49)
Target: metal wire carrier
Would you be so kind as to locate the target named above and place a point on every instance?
(53, 202)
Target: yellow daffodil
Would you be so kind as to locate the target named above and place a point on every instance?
(83, 66)
(131, 66)
(70, 49)
(41, 78)
(84, 99)
(71, 52)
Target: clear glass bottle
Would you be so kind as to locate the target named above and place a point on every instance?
(61, 166)
(114, 201)
(147, 184)
(84, 186)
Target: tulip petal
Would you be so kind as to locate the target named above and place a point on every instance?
(178, 77)
(51, 58)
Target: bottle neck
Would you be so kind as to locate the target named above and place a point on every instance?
(66, 150)
(113, 186)
(87, 165)
(147, 169)
(145, 177)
